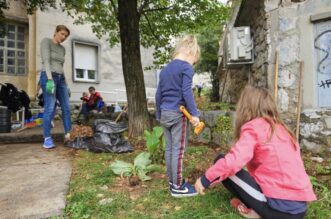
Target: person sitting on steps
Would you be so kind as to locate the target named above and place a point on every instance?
(94, 102)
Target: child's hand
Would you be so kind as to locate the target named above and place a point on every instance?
(199, 187)
(195, 121)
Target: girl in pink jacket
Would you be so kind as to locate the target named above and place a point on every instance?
(276, 185)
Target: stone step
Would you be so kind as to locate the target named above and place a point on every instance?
(30, 135)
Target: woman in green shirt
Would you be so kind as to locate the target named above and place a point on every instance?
(53, 83)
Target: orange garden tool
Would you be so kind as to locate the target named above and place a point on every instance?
(199, 128)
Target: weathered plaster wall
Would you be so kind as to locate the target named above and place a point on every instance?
(286, 26)
(296, 34)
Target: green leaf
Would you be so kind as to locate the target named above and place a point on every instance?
(152, 147)
(153, 168)
(120, 167)
(163, 143)
(152, 143)
(146, 134)
(158, 131)
(142, 175)
(142, 160)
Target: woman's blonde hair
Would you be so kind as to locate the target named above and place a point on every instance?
(188, 43)
(62, 27)
(257, 102)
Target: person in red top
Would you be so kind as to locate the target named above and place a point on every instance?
(85, 97)
(276, 185)
(93, 103)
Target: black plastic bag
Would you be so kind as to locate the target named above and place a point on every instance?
(113, 143)
(107, 137)
(10, 97)
(109, 127)
(80, 143)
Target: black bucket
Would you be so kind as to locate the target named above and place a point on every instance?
(5, 120)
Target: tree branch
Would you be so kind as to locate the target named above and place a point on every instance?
(150, 27)
(157, 9)
(115, 9)
(142, 6)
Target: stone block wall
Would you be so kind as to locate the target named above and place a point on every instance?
(289, 63)
(213, 133)
(315, 131)
(235, 78)
(285, 26)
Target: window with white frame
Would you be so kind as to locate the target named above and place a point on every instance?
(13, 48)
(85, 65)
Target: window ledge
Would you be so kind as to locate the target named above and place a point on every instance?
(320, 17)
(86, 81)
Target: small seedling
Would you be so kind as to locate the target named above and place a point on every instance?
(140, 167)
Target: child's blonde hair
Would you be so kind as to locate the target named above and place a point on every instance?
(85, 94)
(257, 102)
(188, 43)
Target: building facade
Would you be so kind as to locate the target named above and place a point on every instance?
(89, 61)
(299, 31)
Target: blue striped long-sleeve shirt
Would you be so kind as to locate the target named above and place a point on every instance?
(175, 88)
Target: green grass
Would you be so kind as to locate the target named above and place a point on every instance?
(92, 178)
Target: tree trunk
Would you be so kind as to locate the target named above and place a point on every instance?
(132, 68)
(215, 95)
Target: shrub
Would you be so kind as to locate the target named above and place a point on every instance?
(224, 128)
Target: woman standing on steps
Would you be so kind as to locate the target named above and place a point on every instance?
(53, 83)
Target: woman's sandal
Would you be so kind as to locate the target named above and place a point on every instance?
(243, 210)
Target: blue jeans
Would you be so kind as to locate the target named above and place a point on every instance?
(61, 94)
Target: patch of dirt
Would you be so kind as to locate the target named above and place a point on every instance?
(156, 175)
(204, 163)
(124, 184)
(138, 144)
(133, 185)
(134, 181)
(197, 172)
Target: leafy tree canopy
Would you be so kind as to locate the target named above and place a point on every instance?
(31, 5)
(160, 20)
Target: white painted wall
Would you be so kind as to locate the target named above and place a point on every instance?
(111, 82)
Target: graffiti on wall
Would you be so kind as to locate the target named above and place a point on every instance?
(322, 45)
(325, 84)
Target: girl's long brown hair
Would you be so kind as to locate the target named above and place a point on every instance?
(257, 102)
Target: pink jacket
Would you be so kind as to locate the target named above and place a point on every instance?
(276, 165)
